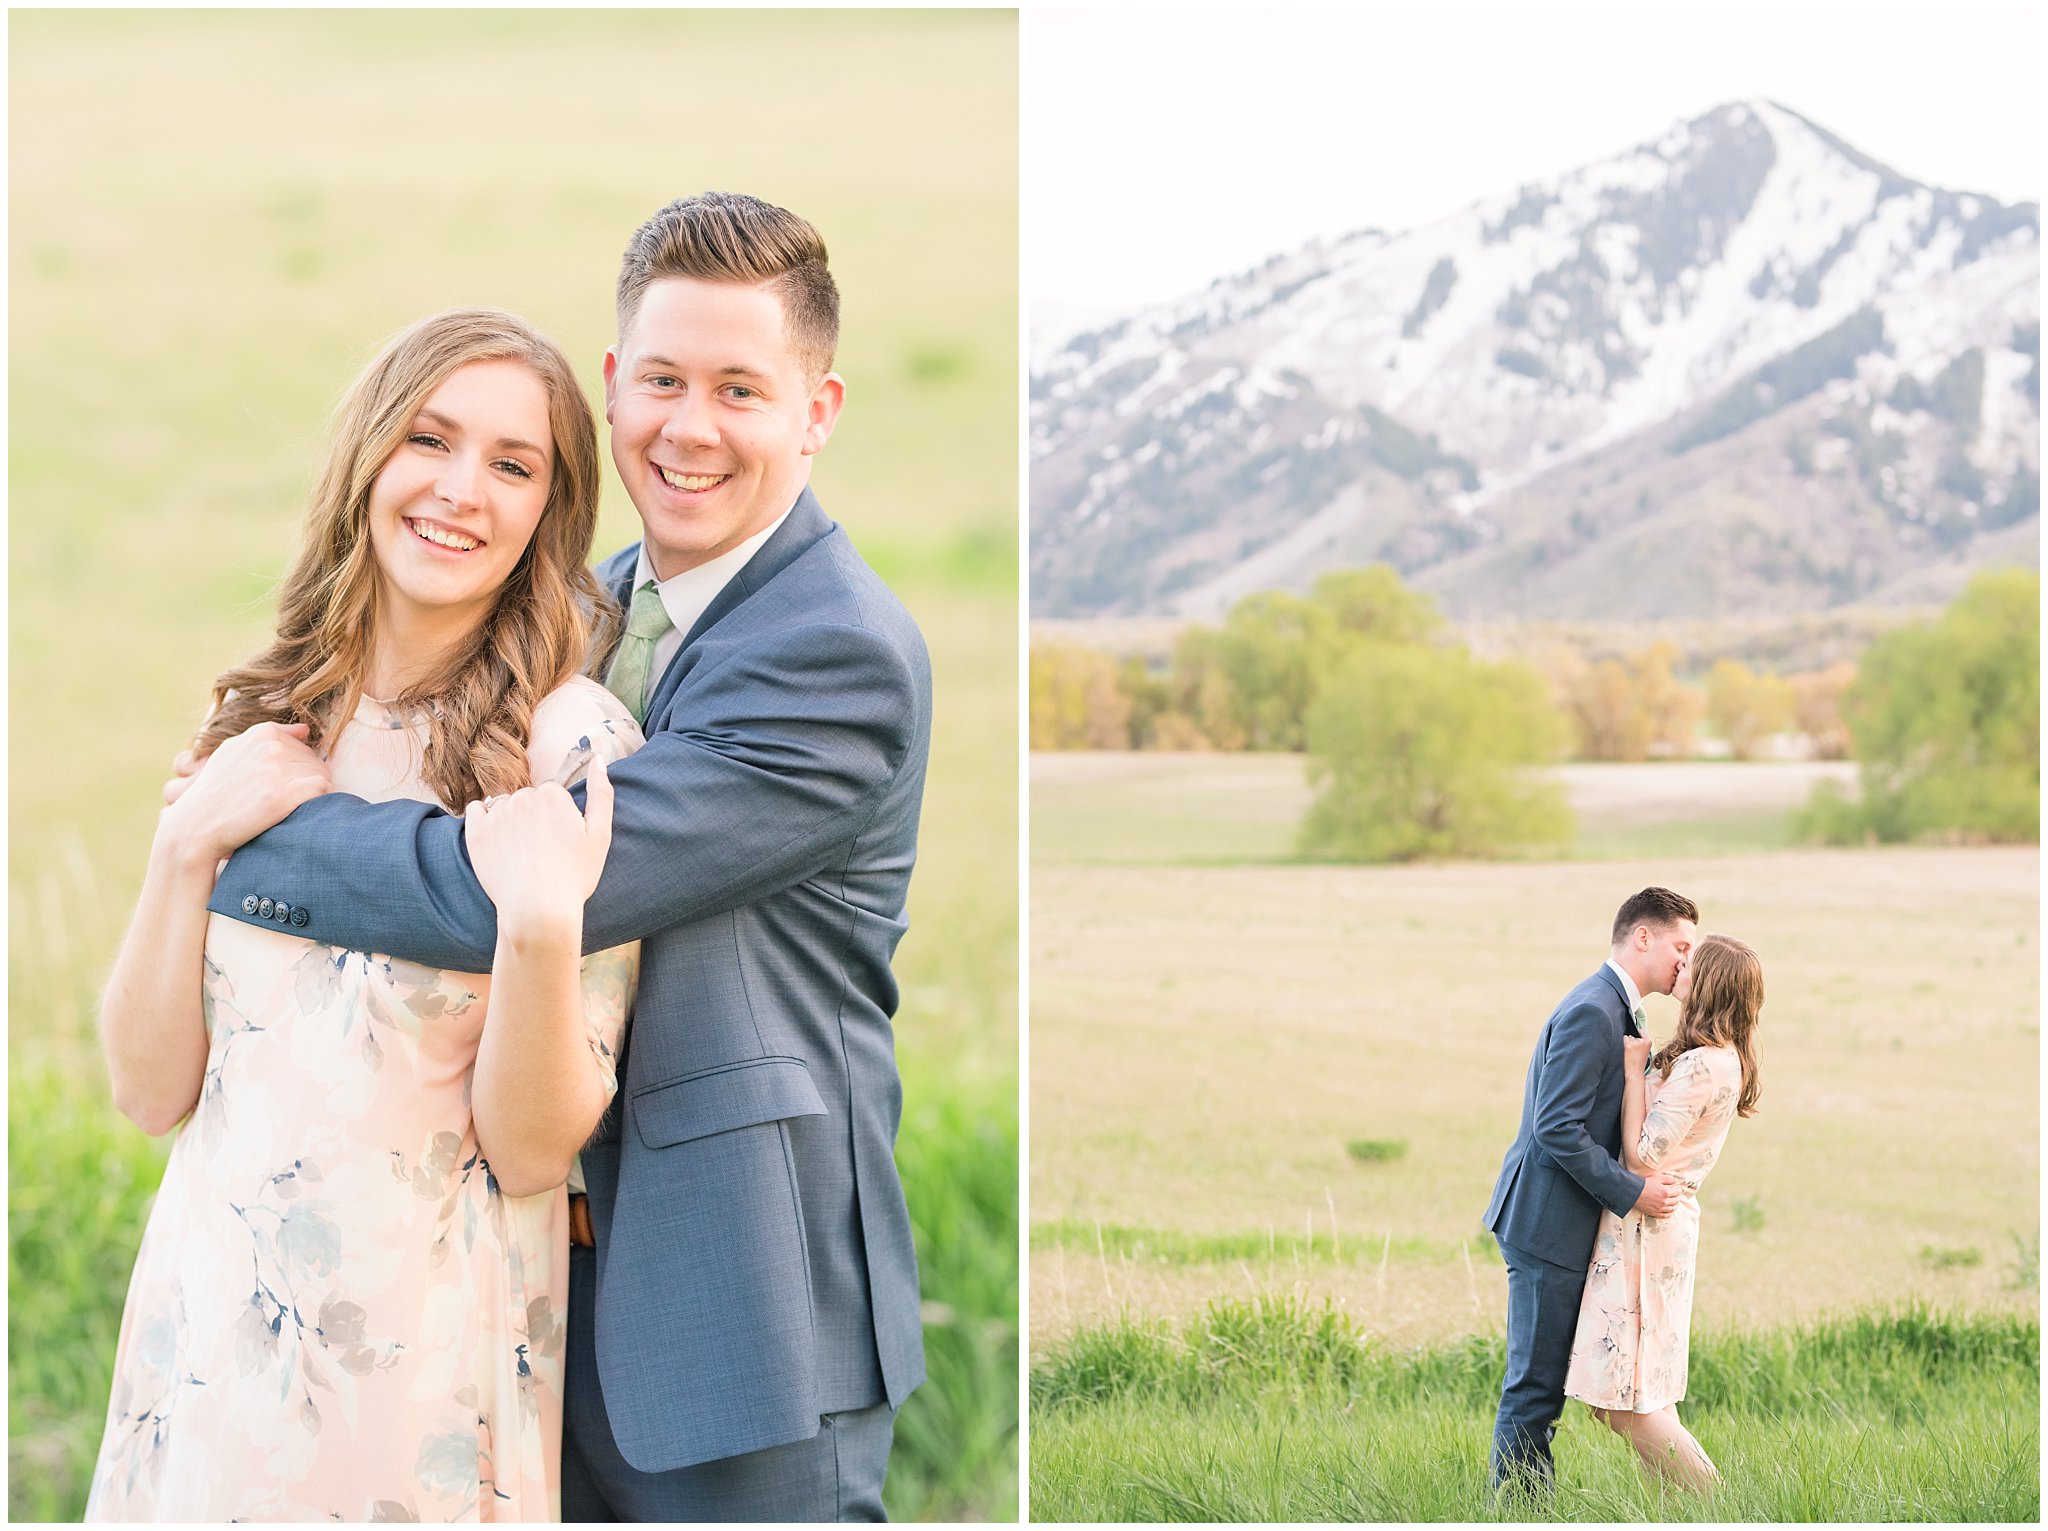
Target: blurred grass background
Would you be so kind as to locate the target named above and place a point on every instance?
(216, 217)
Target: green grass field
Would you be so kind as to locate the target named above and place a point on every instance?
(1282, 1412)
(1160, 809)
(1258, 1081)
(216, 218)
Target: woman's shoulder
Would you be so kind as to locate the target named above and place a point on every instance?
(577, 709)
(1718, 1061)
(1712, 1061)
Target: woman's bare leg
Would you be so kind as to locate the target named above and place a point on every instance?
(1666, 1447)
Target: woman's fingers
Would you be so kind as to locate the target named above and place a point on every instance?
(252, 782)
(535, 855)
(309, 785)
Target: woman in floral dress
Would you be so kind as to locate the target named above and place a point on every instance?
(349, 1300)
(1629, 1353)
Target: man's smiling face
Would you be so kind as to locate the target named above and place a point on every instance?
(714, 418)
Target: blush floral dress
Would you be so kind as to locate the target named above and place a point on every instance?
(336, 1314)
(1629, 1351)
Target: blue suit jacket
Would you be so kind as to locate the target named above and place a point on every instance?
(1564, 1164)
(754, 1259)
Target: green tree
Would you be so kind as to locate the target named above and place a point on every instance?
(1150, 697)
(1421, 751)
(1373, 603)
(1247, 685)
(1202, 690)
(1946, 721)
(1272, 648)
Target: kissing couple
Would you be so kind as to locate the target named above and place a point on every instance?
(1596, 1210)
(409, 1261)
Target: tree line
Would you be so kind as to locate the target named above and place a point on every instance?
(1250, 684)
(1419, 748)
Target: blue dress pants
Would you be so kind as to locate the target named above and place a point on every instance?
(1543, 1314)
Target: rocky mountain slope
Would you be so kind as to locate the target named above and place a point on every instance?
(1741, 369)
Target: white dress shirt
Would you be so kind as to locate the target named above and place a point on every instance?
(1628, 986)
(688, 595)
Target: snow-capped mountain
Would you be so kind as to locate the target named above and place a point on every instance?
(1741, 368)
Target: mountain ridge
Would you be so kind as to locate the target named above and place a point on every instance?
(1483, 399)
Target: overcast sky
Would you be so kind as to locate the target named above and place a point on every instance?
(1163, 148)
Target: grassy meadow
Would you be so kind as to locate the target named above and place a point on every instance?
(1158, 808)
(216, 218)
(1270, 1098)
(1279, 1411)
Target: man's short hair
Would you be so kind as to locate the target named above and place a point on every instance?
(1658, 908)
(722, 236)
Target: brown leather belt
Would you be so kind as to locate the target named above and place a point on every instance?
(580, 1230)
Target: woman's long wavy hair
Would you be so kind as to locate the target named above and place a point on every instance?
(1721, 1011)
(480, 701)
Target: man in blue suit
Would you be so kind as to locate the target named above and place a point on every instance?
(744, 1316)
(1564, 1167)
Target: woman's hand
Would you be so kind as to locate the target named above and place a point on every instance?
(537, 857)
(1635, 1054)
(252, 782)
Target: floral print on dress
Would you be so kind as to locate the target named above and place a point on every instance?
(336, 1313)
(1630, 1349)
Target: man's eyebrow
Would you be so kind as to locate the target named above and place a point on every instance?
(453, 428)
(730, 369)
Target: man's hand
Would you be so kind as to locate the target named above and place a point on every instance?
(1661, 1195)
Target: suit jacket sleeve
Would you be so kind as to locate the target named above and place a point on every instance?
(776, 754)
(1579, 1042)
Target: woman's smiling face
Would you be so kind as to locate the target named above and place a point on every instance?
(452, 509)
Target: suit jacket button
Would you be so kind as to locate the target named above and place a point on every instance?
(263, 908)
(284, 914)
(249, 904)
(299, 915)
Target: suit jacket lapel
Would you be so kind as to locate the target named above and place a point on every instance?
(622, 584)
(1628, 1017)
(806, 523)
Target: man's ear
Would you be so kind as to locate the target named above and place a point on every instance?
(611, 381)
(826, 401)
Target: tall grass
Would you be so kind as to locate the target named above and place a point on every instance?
(956, 1439)
(80, 1179)
(1279, 1410)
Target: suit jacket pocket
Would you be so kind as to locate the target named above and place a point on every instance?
(715, 1100)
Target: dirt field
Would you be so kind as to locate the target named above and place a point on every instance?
(1206, 1040)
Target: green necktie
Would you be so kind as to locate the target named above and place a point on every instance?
(633, 665)
(1641, 1019)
